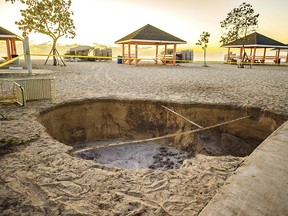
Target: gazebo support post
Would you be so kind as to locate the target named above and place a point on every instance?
(174, 54)
(228, 55)
(136, 54)
(250, 51)
(264, 56)
(129, 54)
(8, 49)
(165, 50)
(241, 53)
(157, 54)
(123, 53)
(13, 47)
(253, 57)
(287, 57)
(277, 56)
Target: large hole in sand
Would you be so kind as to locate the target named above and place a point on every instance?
(91, 123)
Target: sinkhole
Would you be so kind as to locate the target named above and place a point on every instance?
(154, 134)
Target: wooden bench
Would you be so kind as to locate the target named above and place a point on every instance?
(164, 59)
(260, 59)
(131, 59)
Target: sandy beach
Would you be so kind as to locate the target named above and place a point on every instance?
(39, 176)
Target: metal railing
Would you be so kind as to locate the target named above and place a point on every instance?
(20, 94)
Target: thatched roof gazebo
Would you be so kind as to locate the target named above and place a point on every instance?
(10, 39)
(149, 35)
(253, 42)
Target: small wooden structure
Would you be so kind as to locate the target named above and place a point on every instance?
(77, 52)
(149, 35)
(80, 50)
(253, 42)
(10, 39)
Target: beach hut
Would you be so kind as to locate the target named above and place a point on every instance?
(149, 35)
(10, 39)
(251, 44)
(80, 50)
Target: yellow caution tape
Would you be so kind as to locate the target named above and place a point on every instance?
(74, 56)
(133, 58)
(154, 59)
(10, 61)
(111, 57)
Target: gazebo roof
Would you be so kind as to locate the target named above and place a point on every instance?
(149, 34)
(256, 40)
(4, 34)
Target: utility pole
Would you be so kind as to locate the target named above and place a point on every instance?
(27, 56)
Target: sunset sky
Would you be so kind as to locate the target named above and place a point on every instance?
(105, 21)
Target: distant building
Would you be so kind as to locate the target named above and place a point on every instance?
(79, 50)
(95, 53)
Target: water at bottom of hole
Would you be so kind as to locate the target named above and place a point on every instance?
(136, 156)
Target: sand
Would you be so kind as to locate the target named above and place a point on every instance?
(39, 177)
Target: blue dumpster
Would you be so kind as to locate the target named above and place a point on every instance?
(15, 62)
(119, 60)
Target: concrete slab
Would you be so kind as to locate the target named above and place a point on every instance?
(260, 185)
(24, 71)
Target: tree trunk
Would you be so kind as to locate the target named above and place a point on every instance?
(205, 64)
(54, 53)
(243, 46)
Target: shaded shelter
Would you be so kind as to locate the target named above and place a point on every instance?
(77, 52)
(80, 50)
(10, 39)
(149, 35)
(252, 43)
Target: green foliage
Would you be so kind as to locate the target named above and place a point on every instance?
(49, 17)
(12, 1)
(203, 42)
(238, 22)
